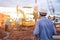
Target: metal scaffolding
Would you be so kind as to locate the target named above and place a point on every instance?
(51, 7)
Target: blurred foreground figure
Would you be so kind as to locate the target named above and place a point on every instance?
(44, 28)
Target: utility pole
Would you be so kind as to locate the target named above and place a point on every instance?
(35, 1)
(35, 11)
(17, 10)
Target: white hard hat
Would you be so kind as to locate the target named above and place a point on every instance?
(43, 11)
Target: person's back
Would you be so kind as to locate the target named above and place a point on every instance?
(44, 29)
(47, 29)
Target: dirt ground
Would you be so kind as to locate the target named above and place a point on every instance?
(24, 34)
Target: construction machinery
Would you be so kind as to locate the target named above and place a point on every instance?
(27, 19)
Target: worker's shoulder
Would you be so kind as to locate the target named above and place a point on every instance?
(49, 21)
(39, 20)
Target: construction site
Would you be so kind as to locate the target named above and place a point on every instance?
(22, 22)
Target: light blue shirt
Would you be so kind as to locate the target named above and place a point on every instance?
(7, 22)
(44, 29)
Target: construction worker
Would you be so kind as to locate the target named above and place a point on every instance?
(7, 24)
(44, 28)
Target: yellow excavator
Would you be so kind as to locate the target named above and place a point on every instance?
(23, 21)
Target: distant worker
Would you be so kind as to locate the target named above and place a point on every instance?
(44, 28)
(7, 24)
(49, 17)
(54, 18)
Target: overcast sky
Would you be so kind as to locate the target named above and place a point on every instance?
(42, 4)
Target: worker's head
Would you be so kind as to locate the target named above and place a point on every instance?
(42, 12)
(49, 17)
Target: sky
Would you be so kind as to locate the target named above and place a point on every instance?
(42, 4)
